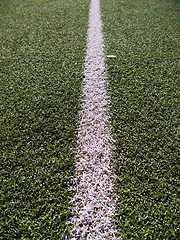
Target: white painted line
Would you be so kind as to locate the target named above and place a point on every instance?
(93, 205)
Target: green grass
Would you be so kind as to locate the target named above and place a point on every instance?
(144, 88)
(42, 52)
(42, 47)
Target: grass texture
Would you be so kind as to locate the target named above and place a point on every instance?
(43, 49)
(144, 89)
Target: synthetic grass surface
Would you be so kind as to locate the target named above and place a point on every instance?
(144, 88)
(43, 49)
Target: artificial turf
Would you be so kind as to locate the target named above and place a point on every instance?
(144, 89)
(43, 49)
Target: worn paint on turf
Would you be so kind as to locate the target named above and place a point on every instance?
(93, 202)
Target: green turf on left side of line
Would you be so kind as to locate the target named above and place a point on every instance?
(42, 50)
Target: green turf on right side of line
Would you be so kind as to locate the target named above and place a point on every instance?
(144, 89)
(43, 45)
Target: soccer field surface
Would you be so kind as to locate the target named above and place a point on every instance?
(43, 47)
(144, 88)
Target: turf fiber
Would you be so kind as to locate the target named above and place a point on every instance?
(144, 89)
(43, 46)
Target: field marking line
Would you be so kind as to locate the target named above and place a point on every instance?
(93, 205)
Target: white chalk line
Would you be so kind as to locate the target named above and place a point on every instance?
(93, 205)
